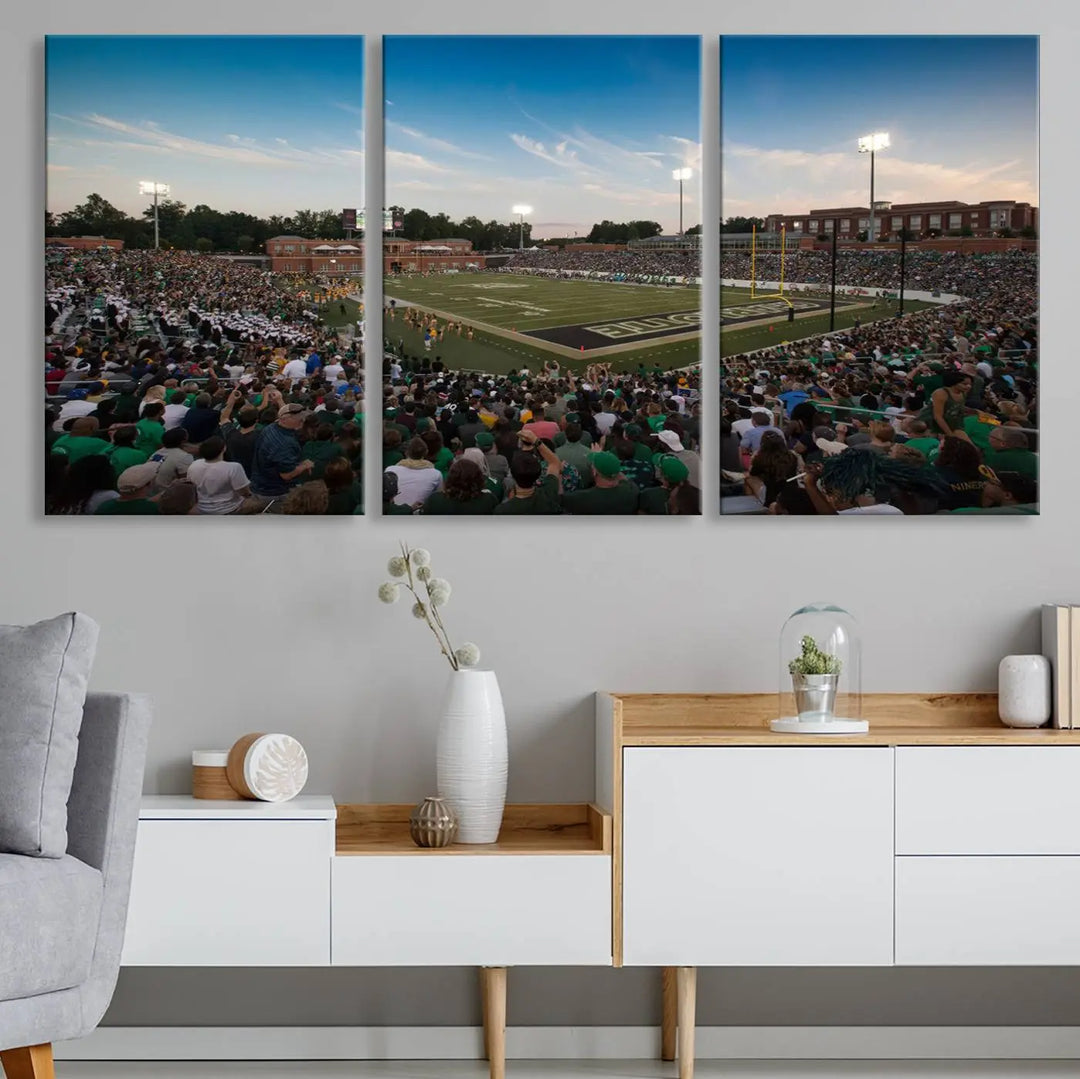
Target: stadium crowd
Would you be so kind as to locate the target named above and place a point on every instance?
(932, 412)
(633, 264)
(184, 384)
(550, 442)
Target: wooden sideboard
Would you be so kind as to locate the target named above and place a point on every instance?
(310, 883)
(940, 838)
(928, 841)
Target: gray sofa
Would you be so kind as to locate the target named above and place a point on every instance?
(62, 928)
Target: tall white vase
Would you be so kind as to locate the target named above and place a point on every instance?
(471, 755)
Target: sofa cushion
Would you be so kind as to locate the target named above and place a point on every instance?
(44, 670)
(51, 909)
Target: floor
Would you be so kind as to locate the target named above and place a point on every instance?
(576, 1069)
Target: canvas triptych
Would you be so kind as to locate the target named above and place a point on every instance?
(541, 241)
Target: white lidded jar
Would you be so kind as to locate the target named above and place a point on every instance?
(1024, 691)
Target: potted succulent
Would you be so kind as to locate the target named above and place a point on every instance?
(814, 677)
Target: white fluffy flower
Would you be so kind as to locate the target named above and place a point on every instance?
(439, 591)
(388, 592)
(468, 655)
(424, 573)
(420, 558)
(396, 567)
(418, 611)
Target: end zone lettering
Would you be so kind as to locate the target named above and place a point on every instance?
(636, 327)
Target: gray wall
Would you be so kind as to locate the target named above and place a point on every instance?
(273, 624)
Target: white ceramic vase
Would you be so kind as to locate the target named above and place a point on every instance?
(471, 755)
(1024, 691)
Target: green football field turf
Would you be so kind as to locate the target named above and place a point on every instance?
(763, 331)
(504, 309)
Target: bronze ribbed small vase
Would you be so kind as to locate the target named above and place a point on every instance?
(433, 824)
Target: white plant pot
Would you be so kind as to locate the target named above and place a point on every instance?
(470, 755)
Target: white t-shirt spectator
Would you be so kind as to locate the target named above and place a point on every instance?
(174, 416)
(334, 372)
(415, 484)
(218, 484)
(72, 410)
(605, 421)
(295, 369)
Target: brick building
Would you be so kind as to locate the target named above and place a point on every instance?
(921, 219)
(295, 254)
(84, 243)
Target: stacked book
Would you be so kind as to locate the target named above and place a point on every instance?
(1061, 646)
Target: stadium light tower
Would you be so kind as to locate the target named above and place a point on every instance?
(870, 144)
(521, 210)
(680, 175)
(149, 187)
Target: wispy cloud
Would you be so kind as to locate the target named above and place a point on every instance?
(399, 159)
(788, 180)
(237, 149)
(558, 154)
(433, 143)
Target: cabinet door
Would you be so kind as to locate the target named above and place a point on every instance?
(980, 911)
(749, 856)
(435, 909)
(208, 893)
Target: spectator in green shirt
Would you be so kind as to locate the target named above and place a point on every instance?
(123, 454)
(82, 441)
(1009, 452)
(611, 493)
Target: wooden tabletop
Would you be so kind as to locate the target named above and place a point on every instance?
(896, 719)
(526, 829)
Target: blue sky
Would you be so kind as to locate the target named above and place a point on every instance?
(579, 128)
(260, 124)
(961, 112)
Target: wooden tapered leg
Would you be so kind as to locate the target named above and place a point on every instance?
(669, 1014)
(484, 1011)
(494, 993)
(30, 1062)
(686, 979)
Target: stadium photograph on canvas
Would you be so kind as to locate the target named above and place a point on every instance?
(542, 267)
(203, 275)
(879, 275)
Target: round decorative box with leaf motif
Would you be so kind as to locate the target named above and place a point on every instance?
(267, 767)
(432, 824)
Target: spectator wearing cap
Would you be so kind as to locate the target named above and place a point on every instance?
(611, 492)
(136, 486)
(675, 495)
(417, 477)
(498, 468)
(278, 459)
(672, 443)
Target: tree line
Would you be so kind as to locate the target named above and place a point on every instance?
(202, 228)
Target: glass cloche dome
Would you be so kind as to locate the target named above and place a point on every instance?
(820, 673)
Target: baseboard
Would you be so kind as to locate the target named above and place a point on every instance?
(573, 1043)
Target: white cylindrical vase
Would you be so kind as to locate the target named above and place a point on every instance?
(1024, 691)
(471, 755)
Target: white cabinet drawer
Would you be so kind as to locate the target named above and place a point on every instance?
(988, 800)
(755, 856)
(472, 910)
(982, 911)
(210, 893)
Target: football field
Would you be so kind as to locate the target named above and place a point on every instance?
(526, 320)
(752, 322)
